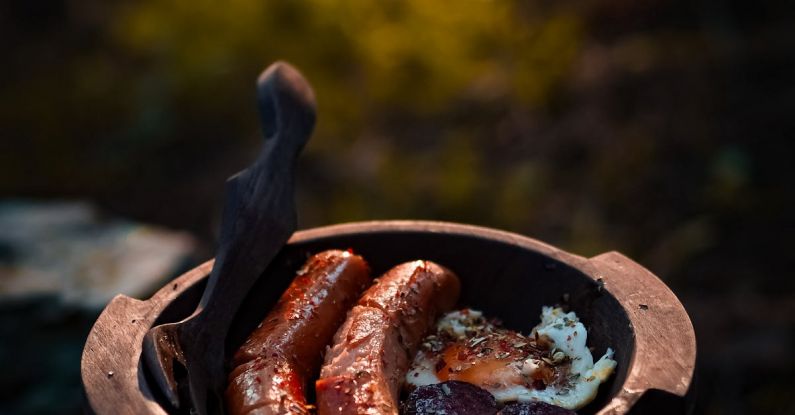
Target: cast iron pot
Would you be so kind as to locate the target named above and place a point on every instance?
(508, 276)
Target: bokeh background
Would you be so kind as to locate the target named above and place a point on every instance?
(662, 129)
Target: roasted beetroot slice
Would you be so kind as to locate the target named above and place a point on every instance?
(450, 398)
(534, 408)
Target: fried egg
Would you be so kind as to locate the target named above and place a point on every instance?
(552, 364)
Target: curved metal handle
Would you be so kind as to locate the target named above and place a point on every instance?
(662, 369)
(259, 212)
(286, 104)
(259, 217)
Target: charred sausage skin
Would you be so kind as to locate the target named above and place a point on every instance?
(276, 362)
(372, 350)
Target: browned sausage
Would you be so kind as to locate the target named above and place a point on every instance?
(365, 368)
(276, 362)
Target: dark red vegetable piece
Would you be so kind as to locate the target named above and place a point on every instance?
(534, 408)
(451, 398)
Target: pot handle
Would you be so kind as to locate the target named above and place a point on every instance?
(111, 368)
(661, 374)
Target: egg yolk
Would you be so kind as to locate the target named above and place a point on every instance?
(459, 363)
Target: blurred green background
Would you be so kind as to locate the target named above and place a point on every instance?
(659, 129)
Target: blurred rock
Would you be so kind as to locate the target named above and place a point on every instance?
(70, 251)
(60, 263)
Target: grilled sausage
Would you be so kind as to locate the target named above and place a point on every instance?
(276, 362)
(365, 368)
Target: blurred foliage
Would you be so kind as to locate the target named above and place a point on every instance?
(173, 77)
(661, 129)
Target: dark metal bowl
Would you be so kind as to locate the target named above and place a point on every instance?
(509, 276)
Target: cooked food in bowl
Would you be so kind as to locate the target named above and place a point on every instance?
(552, 364)
(391, 327)
(455, 397)
(451, 397)
(365, 367)
(276, 363)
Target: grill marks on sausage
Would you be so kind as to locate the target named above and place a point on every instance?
(365, 368)
(276, 362)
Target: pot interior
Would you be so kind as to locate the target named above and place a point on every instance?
(509, 280)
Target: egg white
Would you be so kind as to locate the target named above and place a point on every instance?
(569, 337)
